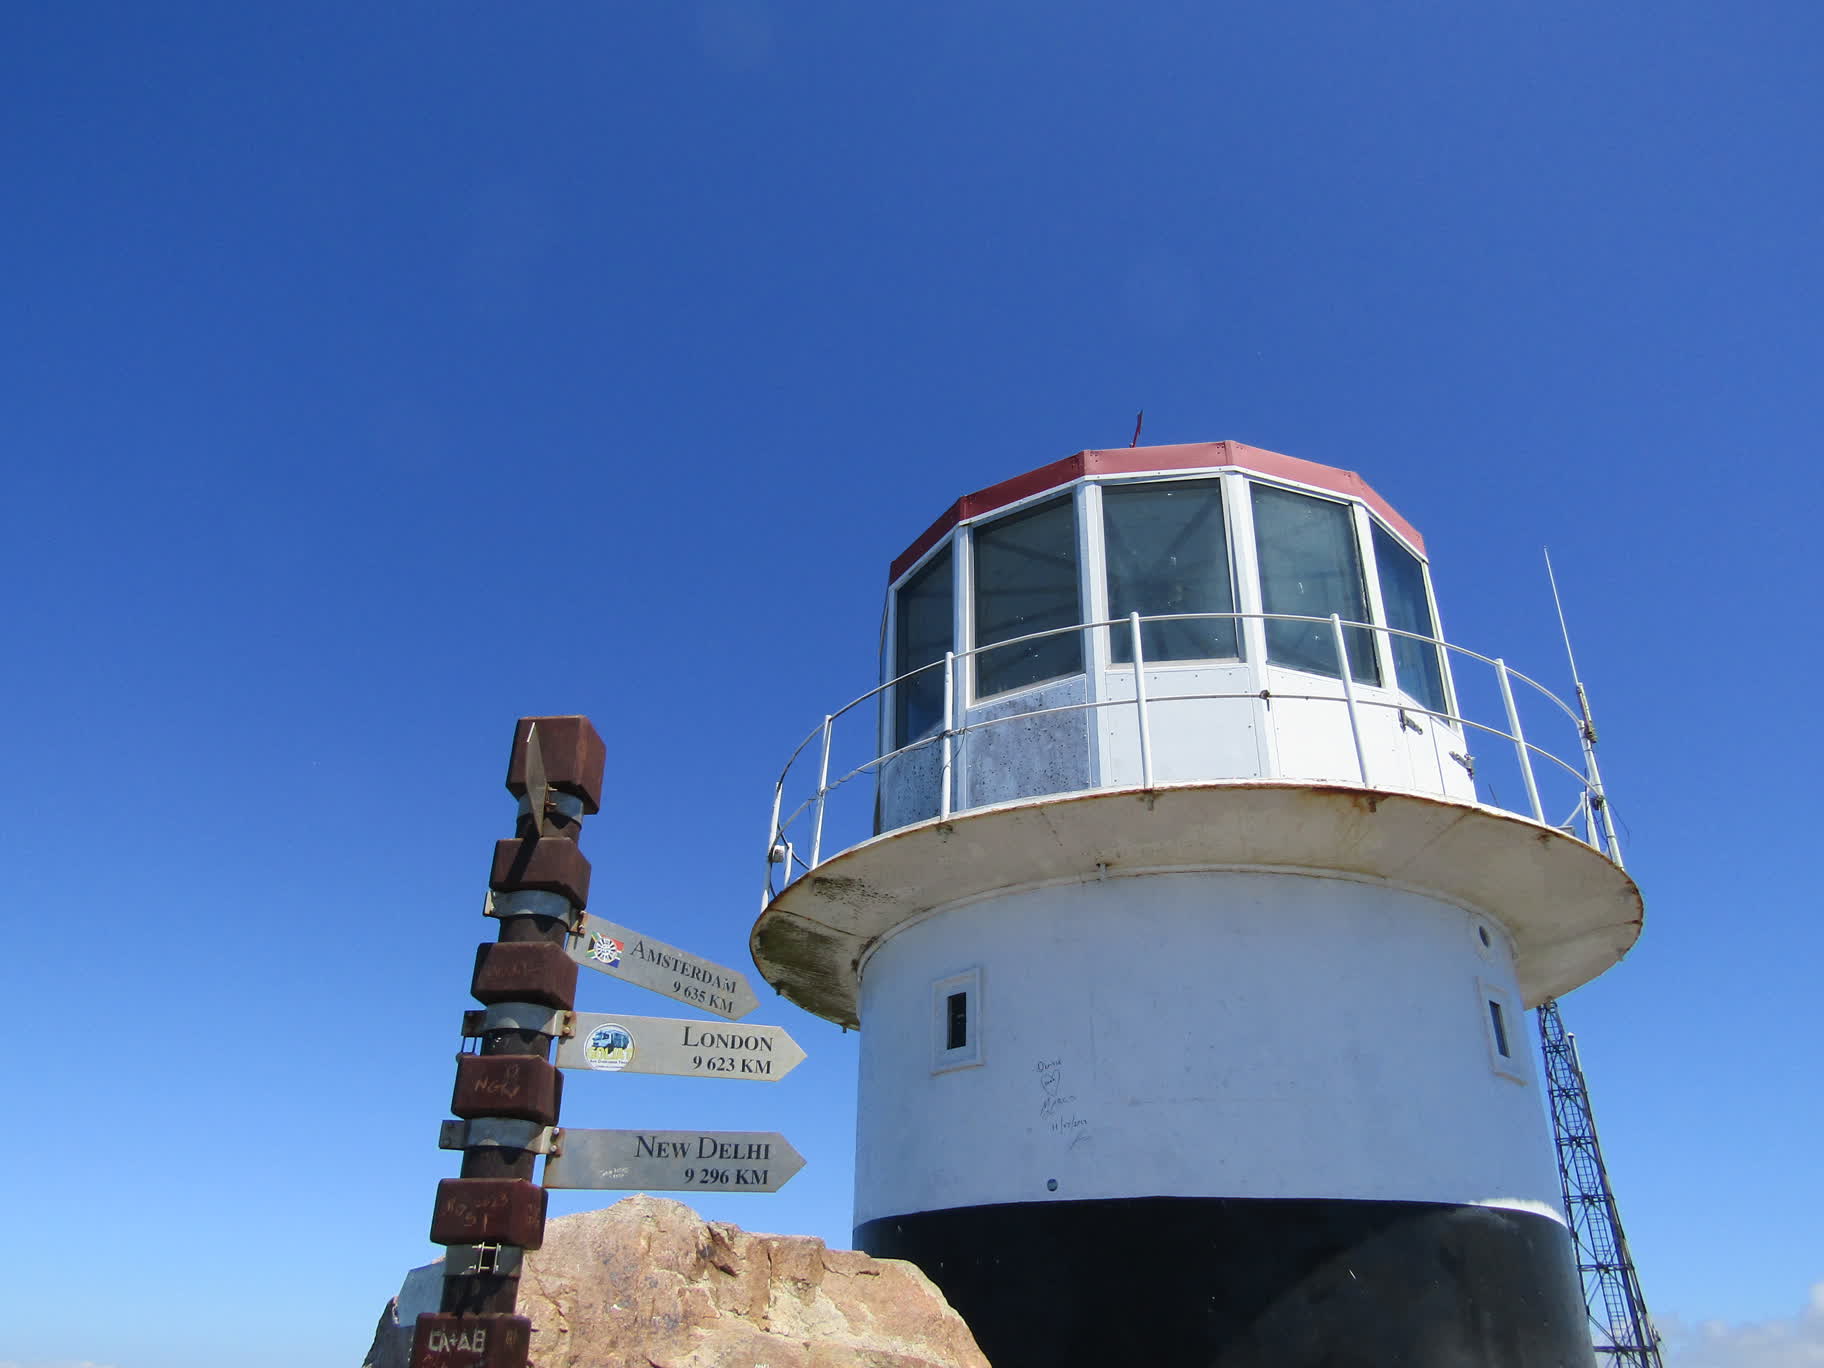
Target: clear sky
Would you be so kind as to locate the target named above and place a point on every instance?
(375, 374)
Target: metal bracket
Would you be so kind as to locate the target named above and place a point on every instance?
(528, 902)
(1409, 725)
(564, 804)
(483, 1260)
(496, 1133)
(1467, 761)
(517, 1016)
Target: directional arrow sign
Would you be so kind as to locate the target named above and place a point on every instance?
(672, 1161)
(615, 1042)
(625, 954)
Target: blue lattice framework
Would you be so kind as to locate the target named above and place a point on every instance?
(1620, 1328)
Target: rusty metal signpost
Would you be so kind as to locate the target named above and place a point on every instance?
(508, 1089)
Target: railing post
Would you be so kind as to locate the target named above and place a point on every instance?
(772, 844)
(823, 784)
(1519, 738)
(1146, 731)
(1355, 721)
(943, 797)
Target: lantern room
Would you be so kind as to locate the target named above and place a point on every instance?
(1240, 580)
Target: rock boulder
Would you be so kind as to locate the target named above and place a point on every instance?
(647, 1283)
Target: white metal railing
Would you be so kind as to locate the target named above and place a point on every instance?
(1583, 778)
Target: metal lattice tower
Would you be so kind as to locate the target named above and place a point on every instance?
(1619, 1325)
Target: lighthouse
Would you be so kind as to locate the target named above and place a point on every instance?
(1188, 887)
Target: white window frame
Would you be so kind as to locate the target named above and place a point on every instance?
(1513, 1022)
(1070, 494)
(1099, 572)
(970, 1055)
(1365, 535)
(1364, 564)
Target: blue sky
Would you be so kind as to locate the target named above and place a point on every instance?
(377, 374)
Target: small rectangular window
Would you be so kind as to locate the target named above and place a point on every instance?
(1500, 1013)
(956, 1021)
(1168, 552)
(1309, 567)
(1495, 1019)
(1025, 570)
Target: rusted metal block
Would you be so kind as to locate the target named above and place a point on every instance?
(489, 1211)
(552, 865)
(441, 1340)
(574, 756)
(524, 971)
(517, 1087)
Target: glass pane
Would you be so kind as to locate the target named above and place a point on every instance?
(1309, 565)
(922, 626)
(1168, 552)
(957, 1033)
(1026, 581)
(1494, 1016)
(1415, 664)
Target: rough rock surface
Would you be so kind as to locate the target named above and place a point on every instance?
(647, 1283)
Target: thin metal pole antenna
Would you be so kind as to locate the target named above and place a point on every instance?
(1599, 802)
(1564, 628)
(1620, 1329)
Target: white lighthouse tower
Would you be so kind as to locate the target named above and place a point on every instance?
(1166, 881)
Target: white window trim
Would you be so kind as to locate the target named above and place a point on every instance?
(1513, 1020)
(1069, 495)
(1230, 547)
(943, 1059)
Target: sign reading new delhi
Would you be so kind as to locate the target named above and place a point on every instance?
(715, 1161)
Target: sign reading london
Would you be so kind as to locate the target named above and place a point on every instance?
(671, 1161)
(615, 1042)
(625, 954)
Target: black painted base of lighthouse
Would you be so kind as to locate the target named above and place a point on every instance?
(1205, 1282)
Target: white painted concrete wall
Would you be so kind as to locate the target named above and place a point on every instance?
(1228, 1034)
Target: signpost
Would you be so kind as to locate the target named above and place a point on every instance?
(614, 1042)
(672, 1161)
(625, 954)
(508, 1087)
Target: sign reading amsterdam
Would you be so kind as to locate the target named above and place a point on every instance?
(672, 1161)
(614, 1042)
(627, 955)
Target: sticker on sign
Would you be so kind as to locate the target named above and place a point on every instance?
(672, 1161)
(619, 952)
(614, 1042)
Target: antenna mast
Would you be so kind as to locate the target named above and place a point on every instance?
(1598, 800)
(1619, 1325)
